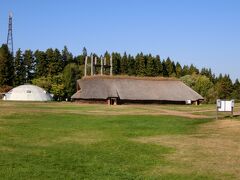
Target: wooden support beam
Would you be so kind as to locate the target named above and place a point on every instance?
(92, 65)
(95, 61)
(111, 66)
(105, 61)
(95, 67)
(85, 70)
(101, 66)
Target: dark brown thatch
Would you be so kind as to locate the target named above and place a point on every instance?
(134, 89)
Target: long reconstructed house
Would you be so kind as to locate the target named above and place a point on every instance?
(121, 90)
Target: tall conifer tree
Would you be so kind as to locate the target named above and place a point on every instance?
(20, 71)
(178, 70)
(140, 65)
(151, 67)
(29, 63)
(41, 64)
(124, 64)
(6, 66)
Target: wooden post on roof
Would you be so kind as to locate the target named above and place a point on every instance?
(95, 61)
(111, 66)
(101, 66)
(95, 67)
(92, 65)
(105, 61)
(85, 70)
(104, 64)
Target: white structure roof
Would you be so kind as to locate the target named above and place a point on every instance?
(27, 93)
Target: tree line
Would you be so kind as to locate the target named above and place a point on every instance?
(57, 72)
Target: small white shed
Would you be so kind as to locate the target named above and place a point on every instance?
(27, 93)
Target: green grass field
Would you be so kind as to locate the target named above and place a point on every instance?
(73, 141)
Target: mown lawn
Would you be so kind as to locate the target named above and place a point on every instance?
(58, 143)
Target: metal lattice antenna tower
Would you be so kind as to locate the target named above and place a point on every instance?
(10, 36)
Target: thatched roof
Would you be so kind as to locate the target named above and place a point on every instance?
(127, 88)
(130, 77)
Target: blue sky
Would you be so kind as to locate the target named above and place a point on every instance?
(203, 32)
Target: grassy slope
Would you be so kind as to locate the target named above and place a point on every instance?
(50, 145)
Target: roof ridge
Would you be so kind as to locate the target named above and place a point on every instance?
(133, 78)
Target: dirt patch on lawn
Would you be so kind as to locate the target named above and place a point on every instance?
(6, 112)
(146, 112)
(6, 149)
(183, 114)
(2, 129)
(83, 138)
(101, 110)
(214, 150)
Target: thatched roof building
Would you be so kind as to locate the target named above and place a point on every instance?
(134, 90)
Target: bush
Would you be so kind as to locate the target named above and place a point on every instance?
(202, 85)
(71, 74)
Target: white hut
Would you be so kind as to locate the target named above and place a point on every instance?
(27, 93)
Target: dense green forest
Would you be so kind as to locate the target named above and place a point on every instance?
(57, 72)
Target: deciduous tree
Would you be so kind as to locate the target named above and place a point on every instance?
(71, 74)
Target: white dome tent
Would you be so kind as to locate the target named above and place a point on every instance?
(27, 93)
